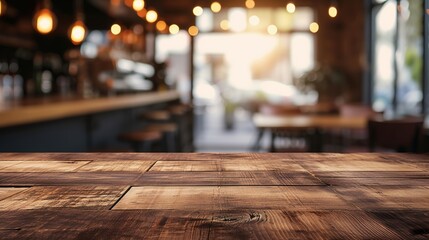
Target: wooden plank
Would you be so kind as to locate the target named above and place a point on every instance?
(186, 166)
(372, 174)
(9, 191)
(80, 156)
(5, 164)
(84, 197)
(227, 165)
(411, 224)
(116, 166)
(69, 178)
(84, 224)
(275, 224)
(151, 224)
(194, 198)
(198, 198)
(387, 197)
(44, 166)
(376, 181)
(243, 178)
(357, 165)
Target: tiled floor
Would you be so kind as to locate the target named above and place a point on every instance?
(211, 136)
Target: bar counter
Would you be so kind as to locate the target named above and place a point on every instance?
(213, 196)
(75, 124)
(45, 109)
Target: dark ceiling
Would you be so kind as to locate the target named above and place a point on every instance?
(99, 14)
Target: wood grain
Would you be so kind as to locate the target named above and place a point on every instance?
(198, 198)
(226, 165)
(78, 224)
(213, 196)
(116, 166)
(358, 165)
(84, 197)
(387, 197)
(68, 178)
(7, 192)
(243, 178)
(43, 166)
(276, 224)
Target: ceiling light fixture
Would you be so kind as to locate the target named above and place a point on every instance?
(151, 16)
(174, 29)
(333, 11)
(250, 4)
(115, 29)
(215, 7)
(138, 5)
(2, 7)
(44, 20)
(193, 31)
(290, 7)
(78, 31)
(198, 11)
(161, 26)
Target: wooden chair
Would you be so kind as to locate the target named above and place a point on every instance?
(352, 140)
(401, 135)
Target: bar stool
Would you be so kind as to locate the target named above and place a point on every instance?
(141, 140)
(163, 121)
(180, 115)
(169, 134)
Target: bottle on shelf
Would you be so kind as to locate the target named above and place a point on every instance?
(6, 81)
(17, 80)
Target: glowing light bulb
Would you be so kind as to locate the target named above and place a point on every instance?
(77, 32)
(224, 25)
(272, 29)
(193, 31)
(215, 7)
(254, 20)
(138, 5)
(290, 7)
(2, 7)
(115, 29)
(151, 16)
(44, 21)
(332, 11)
(161, 26)
(250, 4)
(198, 11)
(174, 29)
(314, 27)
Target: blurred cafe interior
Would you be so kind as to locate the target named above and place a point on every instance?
(214, 76)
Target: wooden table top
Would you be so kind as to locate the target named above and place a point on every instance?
(213, 196)
(308, 121)
(27, 112)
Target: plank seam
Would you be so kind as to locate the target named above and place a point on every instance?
(120, 198)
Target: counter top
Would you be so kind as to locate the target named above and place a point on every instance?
(26, 112)
(213, 196)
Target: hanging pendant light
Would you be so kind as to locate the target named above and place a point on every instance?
(138, 5)
(215, 7)
(78, 30)
(44, 20)
(333, 11)
(151, 16)
(290, 7)
(2, 7)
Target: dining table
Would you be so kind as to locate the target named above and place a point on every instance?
(311, 126)
(214, 196)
